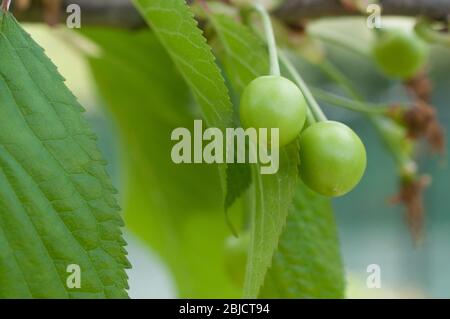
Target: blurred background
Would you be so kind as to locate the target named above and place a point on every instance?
(372, 231)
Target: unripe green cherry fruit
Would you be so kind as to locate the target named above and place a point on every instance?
(236, 252)
(399, 53)
(332, 158)
(274, 102)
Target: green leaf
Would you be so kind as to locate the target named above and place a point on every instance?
(57, 204)
(238, 42)
(273, 196)
(245, 59)
(307, 263)
(298, 250)
(239, 178)
(175, 209)
(174, 24)
(245, 54)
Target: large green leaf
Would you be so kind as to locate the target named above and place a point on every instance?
(57, 204)
(245, 55)
(306, 262)
(272, 198)
(174, 24)
(176, 209)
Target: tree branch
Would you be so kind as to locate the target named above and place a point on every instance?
(293, 11)
(111, 13)
(121, 13)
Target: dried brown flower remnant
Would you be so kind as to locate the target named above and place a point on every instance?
(420, 86)
(436, 137)
(411, 195)
(421, 121)
(418, 119)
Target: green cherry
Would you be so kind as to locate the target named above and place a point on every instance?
(236, 251)
(274, 102)
(332, 158)
(399, 53)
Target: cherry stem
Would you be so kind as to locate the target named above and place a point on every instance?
(270, 38)
(344, 42)
(425, 30)
(5, 4)
(314, 107)
(330, 70)
(357, 106)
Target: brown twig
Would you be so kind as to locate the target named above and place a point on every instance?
(111, 13)
(296, 10)
(121, 13)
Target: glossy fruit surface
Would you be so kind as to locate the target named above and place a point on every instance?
(399, 53)
(274, 102)
(332, 158)
(236, 252)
